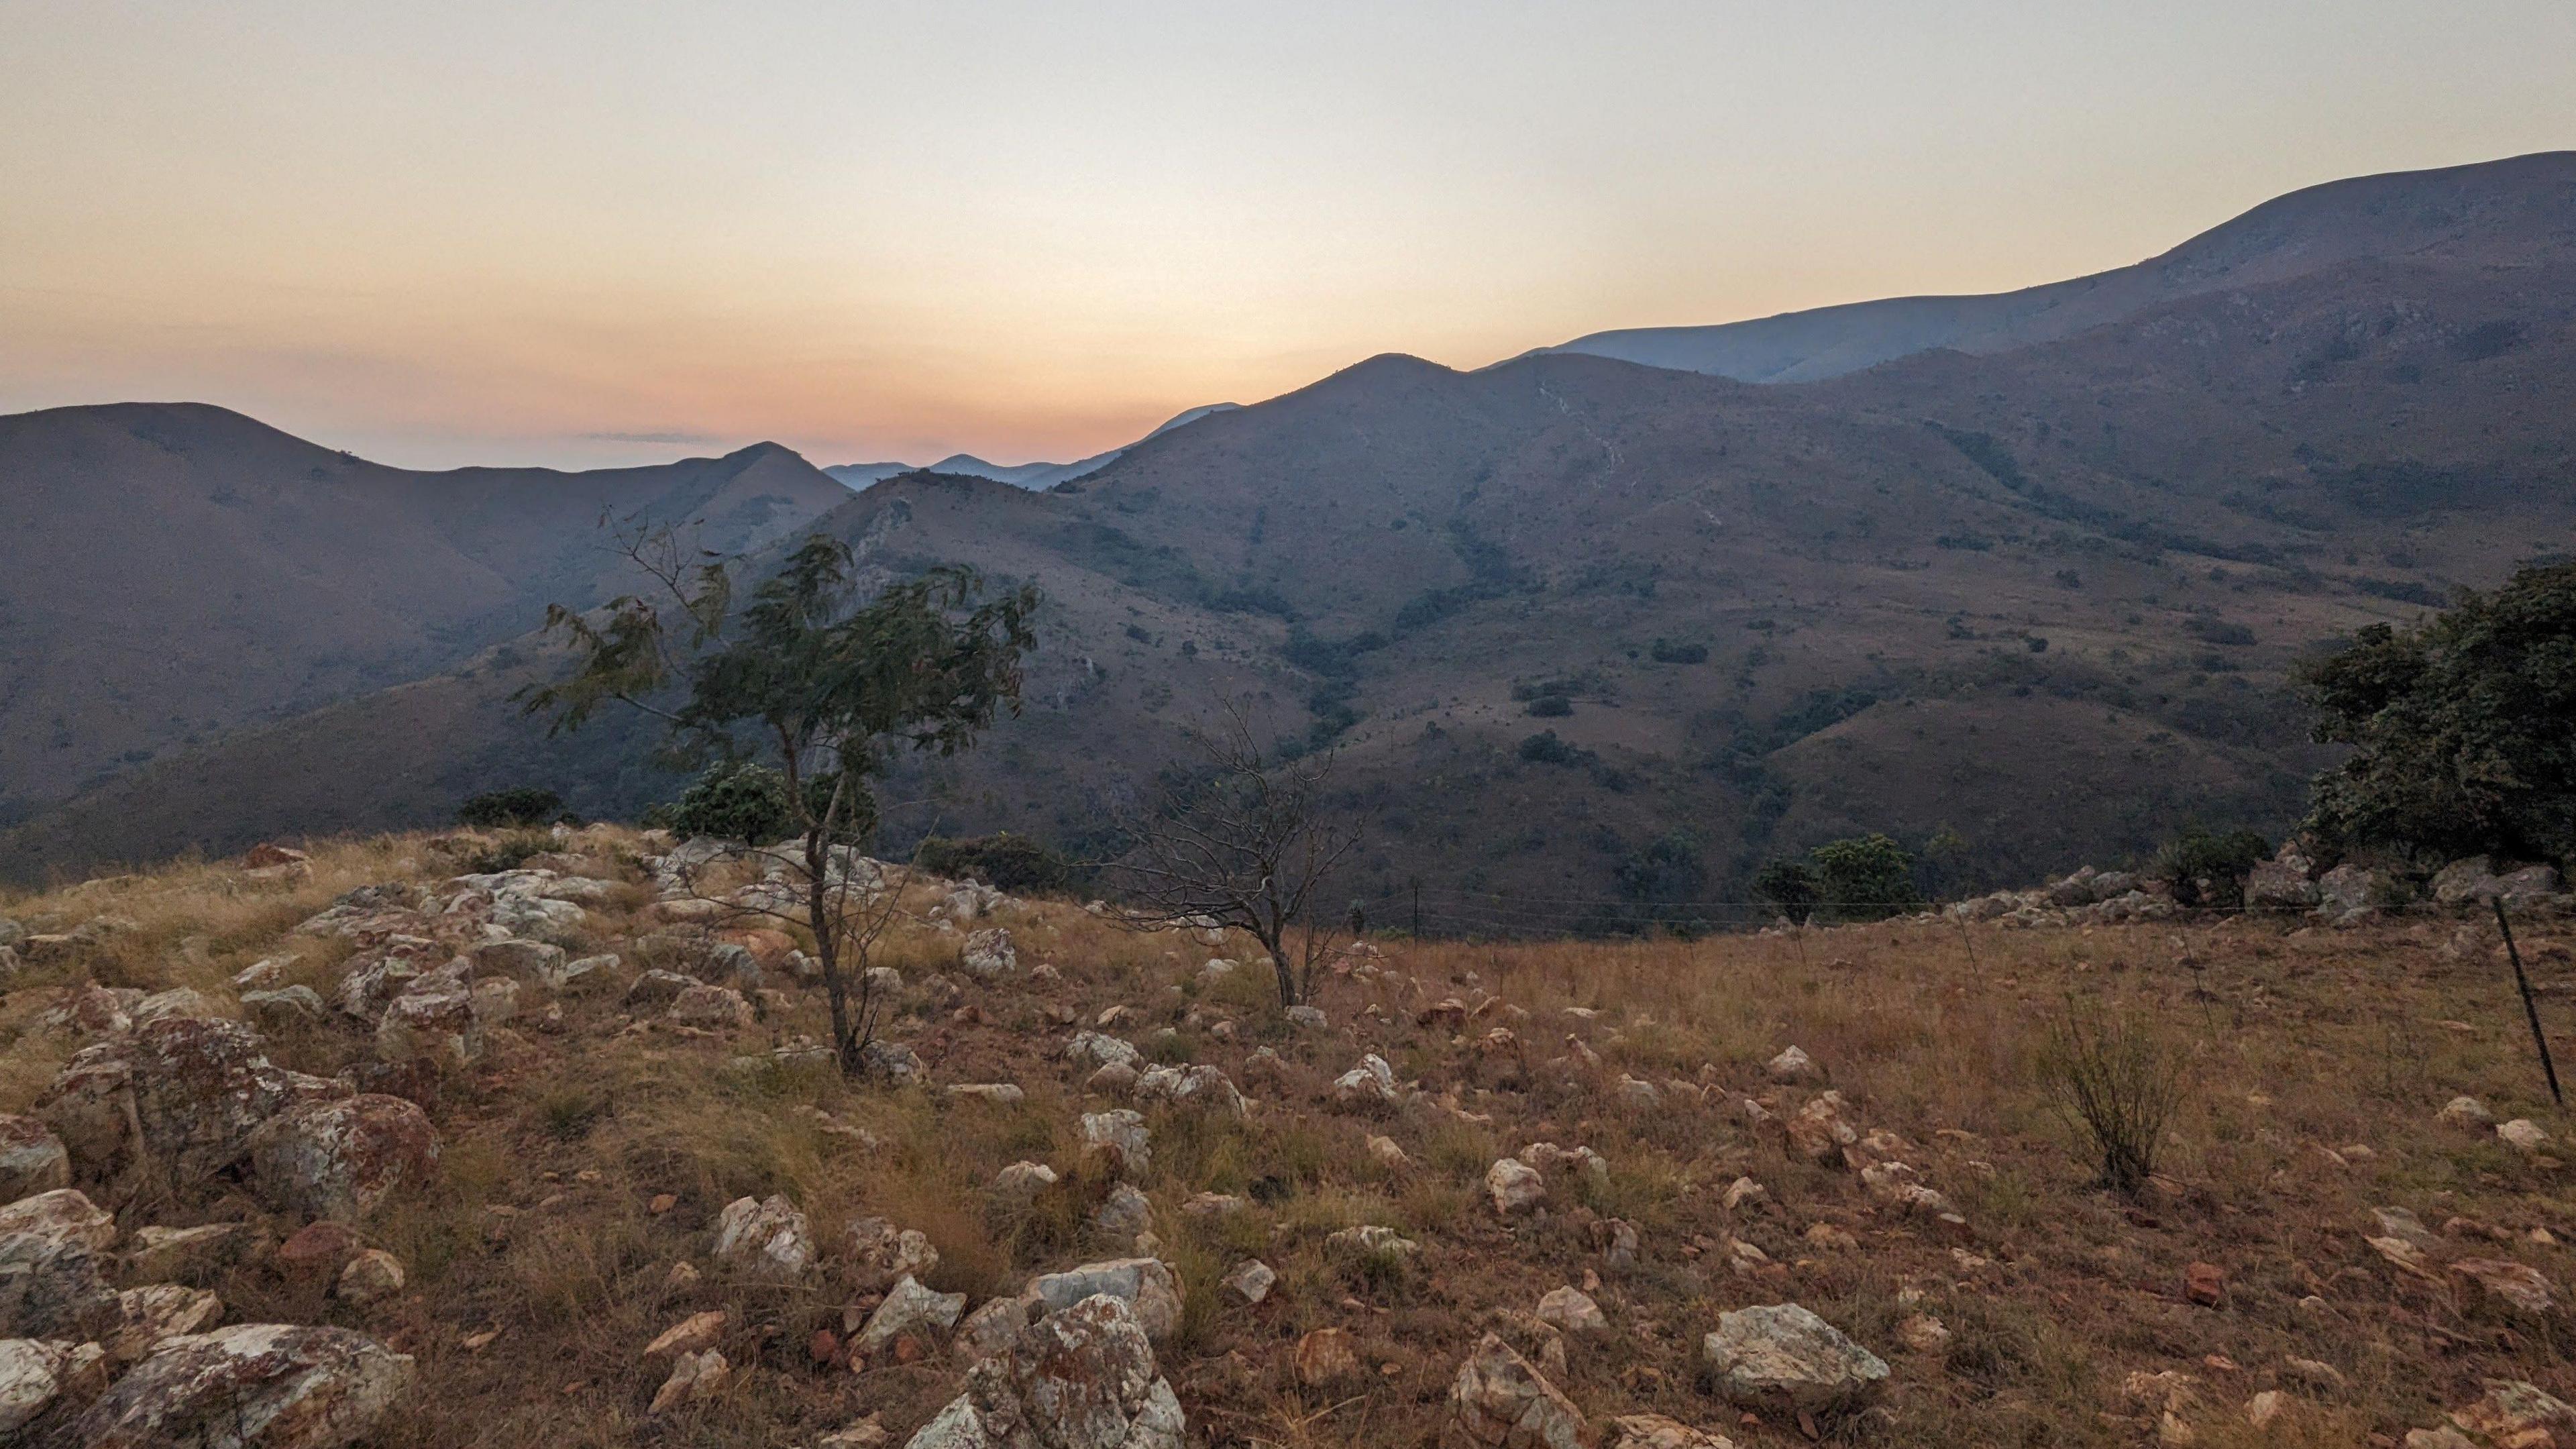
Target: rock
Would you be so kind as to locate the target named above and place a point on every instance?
(890, 1061)
(373, 978)
(1305, 1016)
(32, 1159)
(1021, 1182)
(434, 1021)
(1370, 1084)
(581, 977)
(1923, 1333)
(1791, 1067)
(909, 1311)
(195, 1088)
(2444, 1437)
(178, 1001)
(2465, 1112)
(1125, 1213)
(1500, 1400)
(1571, 1310)
(765, 1239)
(183, 1255)
(1818, 1132)
(2519, 1415)
(1515, 1187)
(711, 1008)
(1386, 1153)
(695, 1378)
(657, 988)
(1786, 1356)
(1120, 1131)
(1654, 1431)
(1118, 1079)
(2205, 1284)
(1371, 1241)
(866, 1433)
(1249, 1282)
(2280, 885)
(876, 1253)
(2515, 1285)
(316, 1252)
(694, 1334)
(2397, 1222)
(343, 1158)
(371, 1276)
(269, 1385)
(988, 1331)
(1147, 1285)
(989, 955)
(285, 1009)
(2349, 892)
(495, 1000)
(35, 1374)
(1325, 1357)
(1081, 1378)
(1092, 1049)
(991, 1094)
(54, 1267)
(535, 962)
(2523, 1135)
(1618, 1242)
(1199, 1086)
(148, 1316)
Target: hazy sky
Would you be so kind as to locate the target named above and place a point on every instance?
(587, 232)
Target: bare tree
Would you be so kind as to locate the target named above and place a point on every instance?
(1247, 844)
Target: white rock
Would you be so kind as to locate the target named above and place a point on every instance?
(1783, 1353)
(1515, 1187)
(270, 1385)
(909, 1310)
(767, 1239)
(1500, 1400)
(1145, 1284)
(1249, 1282)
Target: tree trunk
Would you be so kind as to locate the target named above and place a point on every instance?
(1270, 942)
(827, 951)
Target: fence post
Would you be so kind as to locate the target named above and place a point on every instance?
(2522, 983)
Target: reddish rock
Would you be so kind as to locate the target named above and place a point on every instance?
(340, 1159)
(266, 855)
(195, 1087)
(54, 1268)
(318, 1251)
(2205, 1284)
(272, 1385)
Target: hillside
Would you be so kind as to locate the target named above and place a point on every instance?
(2039, 605)
(170, 573)
(1039, 475)
(2484, 214)
(552, 1155)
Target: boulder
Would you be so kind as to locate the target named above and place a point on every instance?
(2466, 1112)
(175, 1002)
(284, 1009)
(1148, 1286)
(269, 1385)
(1370, 1084)
(1021, 1182)
(1326, 1356)
(374, 977)
(1371, 1241)
(695, 1378)
(148, 1316)
(32, 1159)
(1249, 1282)
(1819, 1131)
(1784, 1356)
(530, 961)
(2519, 1415)
(1654, 1431)
(2523, 1135)
(989, 955)
(432, 1021)
(1198, 1086)
(694, 1334)
(1093, 1049)
(54, 1267)
(1125, 1214)
(1571, 1310)
(2512, 1285)
(988, 1331)
(2280, 884)
(909, 1311)
(182, 1255)
(1121, 1132)
(1500, 1400)
(876, 1253)
(657, 988)
(711, 1008)
(36, 1374)
(2350, 891)
(1386, 1152)
(1515, 1187)
(581, 977)
(371, 1276)
(1082, 1378)
(342, 1159)
(1791, 1067)
(766, 1239)
(195, 1089)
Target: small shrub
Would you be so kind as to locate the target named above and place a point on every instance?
(1551, 706)
(1006, 862)
(1544, 748)
(1790, 885)
(1867, 877)
(518, 807)
(2207, 869)
(2115, 1083)
(1673, 651)
(509, 853)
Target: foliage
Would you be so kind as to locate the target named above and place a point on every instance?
(1544, 748)
(2115, 1082)
(1550, 706)
(818, 684)
(1006, 862)
(2463, 730)
(732, 800)
(517, 807)
(1674, 651)
(509, 852)
(1866, 877)
(2207, 869)
(1667, 872)
(1791, 885)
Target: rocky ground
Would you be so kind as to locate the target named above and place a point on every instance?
(386, 1145)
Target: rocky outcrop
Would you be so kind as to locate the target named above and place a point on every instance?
(54, 1267)
(1148, 1286)
(1502, 1401)
(195, 1089)
(989, 955)
(341, 1159)
(275, 1386)
(1083, 1378)
(32, 1159)
(38, 1374)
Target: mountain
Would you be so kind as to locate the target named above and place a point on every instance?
(2481, 214)
(1587, 631)
(1037, 476)
(169, 573)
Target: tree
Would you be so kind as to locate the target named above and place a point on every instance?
(1790, 885)
(2463, 729)
(2207, 869)
(1247, 843)
(816, 683)
(1866, 877)
(520, 806)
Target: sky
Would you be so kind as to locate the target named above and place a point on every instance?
(588, 233)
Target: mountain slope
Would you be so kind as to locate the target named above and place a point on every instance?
(170, 572)
(1039, 476)
(2486, 214)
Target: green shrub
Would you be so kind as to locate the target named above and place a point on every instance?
(1865, 878)
(1551, 706)
(519, 807)
(1544, 748)
(734, 800)
(2207, 869)
(1006, 862)
(1790, 885)
(1673, 651)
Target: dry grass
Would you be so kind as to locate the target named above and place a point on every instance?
(541, 1226)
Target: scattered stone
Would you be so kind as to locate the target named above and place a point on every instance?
(1092, 1049)
(2466, 1112)
(910, 1311)
(1923, 1333)
(1784, 1355)
(1792, 1067)
(694, 1334)
(1818, 1132)
(767, 1239)
(1370, 1084)
(270, 1385)
(1371, 1240)
(2205, 1284)
(1203, 1085)
(1021, 1182)
(1387, 1153)
(989, 955)
(1325, 1357)
(1571, 1310)
(371, 1276)
(1125, 1214)
(1121, 1132)
(991, 1094)
(695, 1378)
(1249, 1282)
(1654, 1431)
(2523, 1135)
(1503, 1402)
(1147, 1285)
(2396, 1222)
(1515, 1187)
(1742, 1191)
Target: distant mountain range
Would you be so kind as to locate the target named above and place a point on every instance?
(1037, 476)
(1580, 628)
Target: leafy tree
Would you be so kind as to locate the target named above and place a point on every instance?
(1790, 885)
(1544, 748)
(1006, 862)
(518, 808)
(2463, 730)
(817, 683)
(2208, 869)
(733, 800)
(1867, 877)
(1667, 872)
